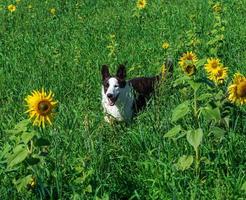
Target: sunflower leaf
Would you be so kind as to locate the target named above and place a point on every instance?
(173, 132)
(184, 162)
(19, 154)
(180, 111)
(194, 137)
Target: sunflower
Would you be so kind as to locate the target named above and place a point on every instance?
(188, 63)
(189, 69)
(212, 66)
(237, 89)
(187, 58)
(11, 8)
(40, 107)
(141, 4)
(220, 76)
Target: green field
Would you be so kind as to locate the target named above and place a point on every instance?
(81, 156)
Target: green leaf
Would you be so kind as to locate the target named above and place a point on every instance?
(244, 187)
(23, 182)
(19, 154)
(180, 111)
(181, 80)
(88, 189)
(201, 62)
(194, 137)
(184, 162)
(211, 114)
(195, 86)
(19, 128)
(204, 96)
(218, 133)
(173, 132)
(27, 136)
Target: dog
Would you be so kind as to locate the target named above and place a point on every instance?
(122, 99)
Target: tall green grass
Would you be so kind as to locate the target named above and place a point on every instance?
(88, 158)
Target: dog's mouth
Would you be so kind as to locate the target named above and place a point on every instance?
(112, 100)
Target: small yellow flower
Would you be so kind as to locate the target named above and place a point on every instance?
(217, 7)
(163, 71)
(29, 6)
(53, 11)
(141, 4)
(40, 107)
(32, 183)
(11, 8)
(237, 89)
(212, 66)
(165, 45)
(220, 76)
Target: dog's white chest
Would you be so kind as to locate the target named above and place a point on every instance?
(122, 110)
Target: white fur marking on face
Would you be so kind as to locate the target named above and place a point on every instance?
(113, 87)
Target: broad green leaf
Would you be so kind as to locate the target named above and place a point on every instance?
(19, 154)
(23, 182)
(27, 136)
(211, 113)
(19, 128)
(194, 137)
(218, 132)
(173, 132)
(201, 62)
(204, 96)
(184, 162)
(195, 86)
(181, 80)
(180, 111)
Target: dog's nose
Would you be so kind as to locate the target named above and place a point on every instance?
(109, 95)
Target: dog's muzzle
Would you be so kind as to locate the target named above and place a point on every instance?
(112, 99)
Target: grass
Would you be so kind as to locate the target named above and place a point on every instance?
(87, 158)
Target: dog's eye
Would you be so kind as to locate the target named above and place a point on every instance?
(116, 86)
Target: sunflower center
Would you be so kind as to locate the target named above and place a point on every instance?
(44, 107)
(214, 65)
(241, 89)
(190, 69)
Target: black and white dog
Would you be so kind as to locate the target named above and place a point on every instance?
(121, 98)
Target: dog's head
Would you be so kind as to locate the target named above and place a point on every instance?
(113, 85)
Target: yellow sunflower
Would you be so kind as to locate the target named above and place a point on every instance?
(237, 89)
(187, 59)
(212, 66)
(11, 8)
(189, 69)
(188, 63)
(220, 76)
(40, 107)
(141, 4)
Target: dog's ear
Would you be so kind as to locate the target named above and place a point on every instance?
(105, 72)
(121, 72)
